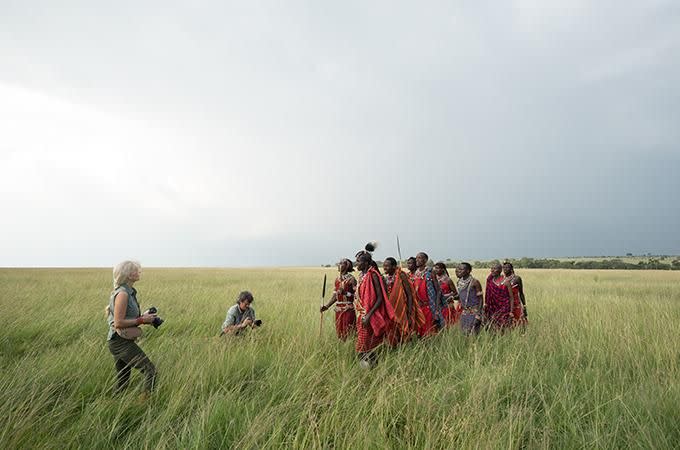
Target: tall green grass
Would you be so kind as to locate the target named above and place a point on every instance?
(598, 367)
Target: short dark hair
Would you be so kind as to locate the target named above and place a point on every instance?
(349, 261)
(467, 265)
(508, 263)
(391, 260)
(245, 296)
(364, 256)
(411, 258)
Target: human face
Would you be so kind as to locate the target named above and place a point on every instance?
(135, 276)
(411, 265)
(438, 271)
(362, 265)
(507, 270)
(244, 305)
(342, 266)
(421, 260)
(389, 268)
(496, 270)
(460, 271)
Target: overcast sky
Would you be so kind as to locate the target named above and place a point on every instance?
(272, 133)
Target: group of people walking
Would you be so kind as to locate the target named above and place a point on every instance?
(397, 305)
(392, 307)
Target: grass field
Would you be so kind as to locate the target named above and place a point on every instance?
(598, 367)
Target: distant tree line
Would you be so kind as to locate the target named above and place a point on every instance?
(613, 263)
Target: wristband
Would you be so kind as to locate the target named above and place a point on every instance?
(139, 320)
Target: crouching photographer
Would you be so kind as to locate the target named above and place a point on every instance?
(240, 316)
(125, 318)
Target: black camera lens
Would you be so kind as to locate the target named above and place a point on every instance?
(153, 310)
(157, 322)
(258, 322)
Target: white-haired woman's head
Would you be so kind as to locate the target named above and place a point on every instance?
(124, 272)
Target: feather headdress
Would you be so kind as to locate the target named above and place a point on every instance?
(368, 249)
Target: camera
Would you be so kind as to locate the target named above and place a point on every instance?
(257, 323)
(157, 321)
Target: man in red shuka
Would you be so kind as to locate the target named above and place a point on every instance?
(374, 312)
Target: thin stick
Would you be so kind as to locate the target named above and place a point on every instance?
(399, 251)
(323, 294)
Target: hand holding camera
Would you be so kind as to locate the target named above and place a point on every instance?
(147, 318)
(251, 323)
(150, 316)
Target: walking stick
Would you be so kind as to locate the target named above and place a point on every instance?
(399, 251)
(323, 294)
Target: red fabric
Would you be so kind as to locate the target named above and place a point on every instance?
(428, 328)
(497, 303)
(518, 310)
(343, 287)
(446, 314)
(421, 290)
(371, 336)
(452, 313)
(404, 324)
(366, 340)
(444, 285)
(395, 336)
(394, 333)
(345, 319)
(345, 323)
(367, 296)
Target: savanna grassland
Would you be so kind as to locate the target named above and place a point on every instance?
(598, 367)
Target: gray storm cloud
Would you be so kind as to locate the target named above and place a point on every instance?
(255, 134)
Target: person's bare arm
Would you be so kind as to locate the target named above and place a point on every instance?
(234, 328)
(478, 287)
(454, 291)
(437, 287)
(409, 297)
(520, 286)
(334, 298)
(119, 308)
(508, 286)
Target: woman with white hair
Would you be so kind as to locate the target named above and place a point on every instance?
(124, 318)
